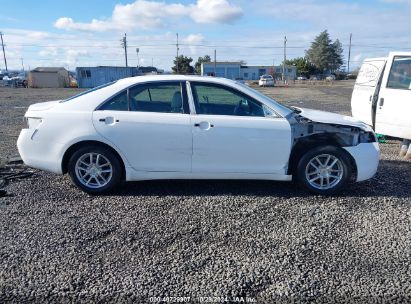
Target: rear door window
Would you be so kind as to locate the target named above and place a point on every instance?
(117, 103)
(159, 97)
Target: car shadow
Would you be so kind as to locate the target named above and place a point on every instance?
(393, 179)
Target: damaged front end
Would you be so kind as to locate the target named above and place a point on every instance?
(322, 128)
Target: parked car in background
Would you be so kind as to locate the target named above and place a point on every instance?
(382, 94)
(266, 81)
(330, 77)
(301, 78)
(190, 127)
(15, 80)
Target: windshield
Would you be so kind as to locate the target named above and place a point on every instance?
(267, 97)
(89, 91)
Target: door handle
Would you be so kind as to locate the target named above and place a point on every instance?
(203, 125)
(108, 120)
(381, 102)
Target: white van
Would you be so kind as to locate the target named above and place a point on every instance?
(382, 94)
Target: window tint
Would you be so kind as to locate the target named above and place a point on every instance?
(117, 103)
(163, 98)
(400, 74)
(216, 100)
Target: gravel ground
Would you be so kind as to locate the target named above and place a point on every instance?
(220, 240)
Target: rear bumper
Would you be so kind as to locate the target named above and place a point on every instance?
(39, 155)
(367, 158)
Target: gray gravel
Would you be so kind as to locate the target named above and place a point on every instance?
(268, 241)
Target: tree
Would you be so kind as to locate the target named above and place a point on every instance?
(303, 65)
(201, 60)
(337, 55)
(325, 54)
(183, 64)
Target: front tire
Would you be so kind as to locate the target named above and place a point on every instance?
(324, 170)
(95, 169)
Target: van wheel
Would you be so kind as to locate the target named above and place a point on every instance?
(95, 170)
(324, 170)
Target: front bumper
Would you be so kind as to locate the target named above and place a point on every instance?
(367, 158)
(37, 154)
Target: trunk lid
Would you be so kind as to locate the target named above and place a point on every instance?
(42, 106)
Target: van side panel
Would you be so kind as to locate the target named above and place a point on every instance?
(365, 93)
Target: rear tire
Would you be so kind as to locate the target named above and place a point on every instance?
(324, 170)
(95, 169)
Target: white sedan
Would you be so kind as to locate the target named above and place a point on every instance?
(190, 127)
(266, 81)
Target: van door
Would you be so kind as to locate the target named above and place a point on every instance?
(393, 116)
(365, 94)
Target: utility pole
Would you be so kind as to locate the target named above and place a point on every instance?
(4, 53)
(274, 69)
(285, 56)
(138, 58)
(22, 64)
(152, 61)
(177, 54)
(124, 44)
(215, 62)
(349, 55)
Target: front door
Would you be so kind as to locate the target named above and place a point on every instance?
(150, 124)
(365, 94)
(393, 116)
(233, 133)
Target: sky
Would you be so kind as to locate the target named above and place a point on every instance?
(89, 32)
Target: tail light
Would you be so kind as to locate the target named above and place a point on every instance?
(31, 122)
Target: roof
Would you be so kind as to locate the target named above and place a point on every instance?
(224, 62)
(172, 77)
(107, 67)
(48, 69)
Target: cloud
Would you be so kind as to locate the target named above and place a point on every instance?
(49, 51)
(193, 39)
(215, 11)
(145, 14)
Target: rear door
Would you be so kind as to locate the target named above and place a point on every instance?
(365, 93)
(393, 114)
(150, 124)
(233, 133)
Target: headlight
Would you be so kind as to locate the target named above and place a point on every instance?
(367, 137)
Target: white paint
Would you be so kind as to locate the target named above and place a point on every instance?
(168, 145)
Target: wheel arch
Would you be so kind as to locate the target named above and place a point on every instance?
(304, 144)
(74, 147)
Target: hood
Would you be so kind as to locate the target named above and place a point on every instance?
(332, 118)
(42, 106)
